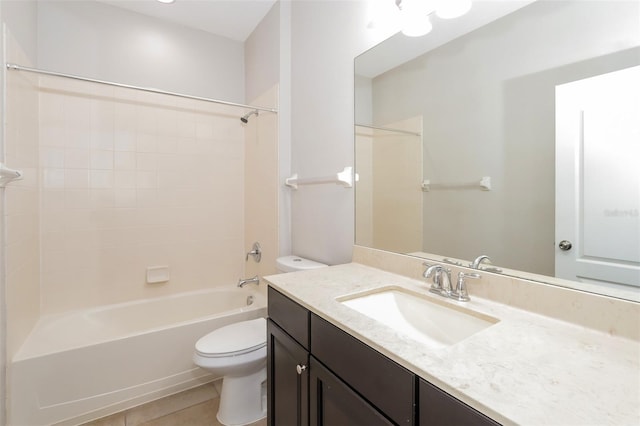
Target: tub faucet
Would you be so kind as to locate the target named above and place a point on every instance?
(478, 260)
(254, 280)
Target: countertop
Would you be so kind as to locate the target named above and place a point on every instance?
(526, 369)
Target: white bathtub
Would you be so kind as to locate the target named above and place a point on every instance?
(78, 366)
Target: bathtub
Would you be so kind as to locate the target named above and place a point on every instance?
(82, 365)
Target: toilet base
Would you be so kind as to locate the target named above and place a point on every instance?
(241, 399)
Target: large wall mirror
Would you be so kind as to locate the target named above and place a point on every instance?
(512, 133)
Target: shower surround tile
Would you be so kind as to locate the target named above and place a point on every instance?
(147, 175)
(21, 200)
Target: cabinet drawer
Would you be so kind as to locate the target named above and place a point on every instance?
(291, 317)
(438, 408)
(381, 381)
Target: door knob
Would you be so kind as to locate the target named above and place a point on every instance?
(300, 368)
(565, 245)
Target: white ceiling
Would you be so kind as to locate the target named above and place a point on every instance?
(234, 19)
(399, 49)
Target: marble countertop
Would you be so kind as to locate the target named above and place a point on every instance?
(526, 369)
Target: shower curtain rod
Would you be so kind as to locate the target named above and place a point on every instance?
(16, 67)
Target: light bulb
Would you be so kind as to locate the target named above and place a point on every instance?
(415, 25)
(449, 9)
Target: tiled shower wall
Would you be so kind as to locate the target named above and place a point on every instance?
(261, 187)
(21, 213)
(394, 191)
(132, 180)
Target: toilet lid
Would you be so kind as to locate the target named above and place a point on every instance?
(236, 339)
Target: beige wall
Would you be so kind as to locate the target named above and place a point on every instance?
(21, 213)
(397, 195)
(101, 41)
(261, 187)
(19, 21)
(364, 139)
(261, 56)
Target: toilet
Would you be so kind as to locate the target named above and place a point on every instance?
(238, 353)
(296, 263)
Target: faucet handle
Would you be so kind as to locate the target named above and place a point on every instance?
(256, 252)
(461, 294)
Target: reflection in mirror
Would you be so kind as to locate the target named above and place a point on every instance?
(483, 105)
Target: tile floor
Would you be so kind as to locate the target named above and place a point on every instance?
(195, 407)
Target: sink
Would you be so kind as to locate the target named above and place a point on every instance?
(424, 319)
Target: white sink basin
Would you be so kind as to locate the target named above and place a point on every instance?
(429, 321)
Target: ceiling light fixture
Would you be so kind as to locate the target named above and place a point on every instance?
(416, 25)
(414, 14)
(449, 9)
(166, 1)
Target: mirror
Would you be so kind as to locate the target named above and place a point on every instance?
(456, 140)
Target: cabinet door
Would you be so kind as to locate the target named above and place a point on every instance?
(385, 384)
(333, 403)
(438, 408)
(287, 378)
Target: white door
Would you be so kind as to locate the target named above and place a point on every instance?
(598, 179)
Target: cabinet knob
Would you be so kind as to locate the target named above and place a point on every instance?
(300, 368)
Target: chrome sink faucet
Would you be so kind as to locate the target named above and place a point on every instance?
(441, 285)
(477, 264)
(254, 280)
(478, 260)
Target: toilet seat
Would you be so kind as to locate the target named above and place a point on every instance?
(234, 339)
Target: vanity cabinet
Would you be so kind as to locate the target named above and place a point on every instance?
(309, 385)
(319, 375)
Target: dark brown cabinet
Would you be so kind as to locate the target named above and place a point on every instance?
(287, 362)
(319, 375)
(438, 408)
(385, 384)
(287, 378)
(333, 403)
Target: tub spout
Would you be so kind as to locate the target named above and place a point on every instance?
(254, 280)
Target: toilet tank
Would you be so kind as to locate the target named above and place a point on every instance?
(296, 263)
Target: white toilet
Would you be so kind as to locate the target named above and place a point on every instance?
(238, 353)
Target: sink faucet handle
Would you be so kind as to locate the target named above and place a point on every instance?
(461, 294)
